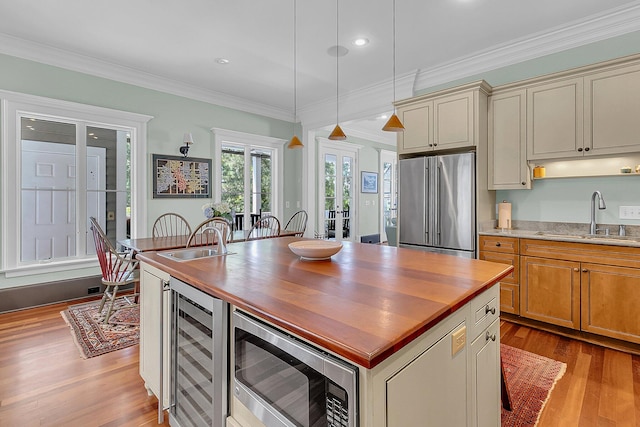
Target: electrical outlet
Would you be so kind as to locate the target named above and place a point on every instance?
(629, 212)
(286, 204)
(298, 204)
(458, 340)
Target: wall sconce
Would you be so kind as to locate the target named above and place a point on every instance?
(188, 139)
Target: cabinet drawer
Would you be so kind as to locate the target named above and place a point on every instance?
(504, 258)
(499, 244)
(485, 308)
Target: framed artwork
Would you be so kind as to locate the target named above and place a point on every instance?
(181, 177)
(369, 182)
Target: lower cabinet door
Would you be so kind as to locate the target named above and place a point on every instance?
(485, 378)
(610, 301)
(431, 390)
(550, 291)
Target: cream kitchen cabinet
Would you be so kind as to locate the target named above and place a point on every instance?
(612, 103)
(555, 119)
(507, 131)
(418, 123)
(155, 311)
(485, 374)
(446, 120)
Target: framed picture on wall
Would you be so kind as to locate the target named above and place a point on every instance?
(369, 182)
(181, 177)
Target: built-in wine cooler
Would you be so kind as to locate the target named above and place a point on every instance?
(198, 358)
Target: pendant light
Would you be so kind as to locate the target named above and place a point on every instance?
(295, 141)
(337, 134)
(394, 124)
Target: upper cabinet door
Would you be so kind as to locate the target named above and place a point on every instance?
(508, 168)
(453, 118)
(612, 104)
(418, 123)
(555, 120)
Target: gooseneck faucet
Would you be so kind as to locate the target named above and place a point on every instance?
(222, 247)
(601, 205)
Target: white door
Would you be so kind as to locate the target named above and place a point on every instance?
(337, 193)
(389, 194)
(49, 197)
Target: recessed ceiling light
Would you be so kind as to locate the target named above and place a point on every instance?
(361, 41)
(222, 61)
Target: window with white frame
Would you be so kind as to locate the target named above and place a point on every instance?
(63, 163)
(247, 174)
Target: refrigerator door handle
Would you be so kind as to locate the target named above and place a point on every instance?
(436, 201)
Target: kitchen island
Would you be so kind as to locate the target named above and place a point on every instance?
(381, 308)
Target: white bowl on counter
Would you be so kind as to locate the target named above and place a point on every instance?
(315, 249)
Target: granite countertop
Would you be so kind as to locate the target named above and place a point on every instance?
(365, 303)
(567, 232)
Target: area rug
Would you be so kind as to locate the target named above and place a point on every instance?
(94, 338)
(530, 379)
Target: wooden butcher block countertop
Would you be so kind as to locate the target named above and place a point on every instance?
(364, 304)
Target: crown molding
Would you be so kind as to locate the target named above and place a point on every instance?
(362, 103)
(49, 55)
(599, 27)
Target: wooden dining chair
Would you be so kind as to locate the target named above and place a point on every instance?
(170, 224)
(268, 226)
(118, 269)
(207, 237)
(297, 222)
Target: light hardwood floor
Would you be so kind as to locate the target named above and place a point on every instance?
(45, 382)
(600, 388)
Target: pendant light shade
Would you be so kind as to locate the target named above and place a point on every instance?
(295, 141)
(394, 124)
(337, 134)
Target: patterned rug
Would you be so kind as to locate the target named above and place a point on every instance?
(530, 379)
(93, 337)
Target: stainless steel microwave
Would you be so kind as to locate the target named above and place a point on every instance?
(286, 382)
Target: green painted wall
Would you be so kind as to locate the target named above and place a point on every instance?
(173, 115)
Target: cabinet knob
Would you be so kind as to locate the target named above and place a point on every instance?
(523, 183)
(165, 285)
(488, 309)
(430, 145)
(489, 336)
(586, 149)
(580, 149)
(584, 270)
(576, 269)
(498, 244)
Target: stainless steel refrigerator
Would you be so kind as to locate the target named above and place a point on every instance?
(437, 209)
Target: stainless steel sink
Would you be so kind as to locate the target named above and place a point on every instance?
(561, 236)
(192, 253)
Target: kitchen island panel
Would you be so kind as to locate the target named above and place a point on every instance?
(365, 303)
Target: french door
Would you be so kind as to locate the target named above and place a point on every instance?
(336, 192)
(389, 203)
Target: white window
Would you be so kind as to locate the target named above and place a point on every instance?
(247, 175)
(63, 163)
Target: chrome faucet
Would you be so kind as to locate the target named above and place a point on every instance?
(222, 247)
(601, 205)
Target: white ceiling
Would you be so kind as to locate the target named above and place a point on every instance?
(172, 45)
